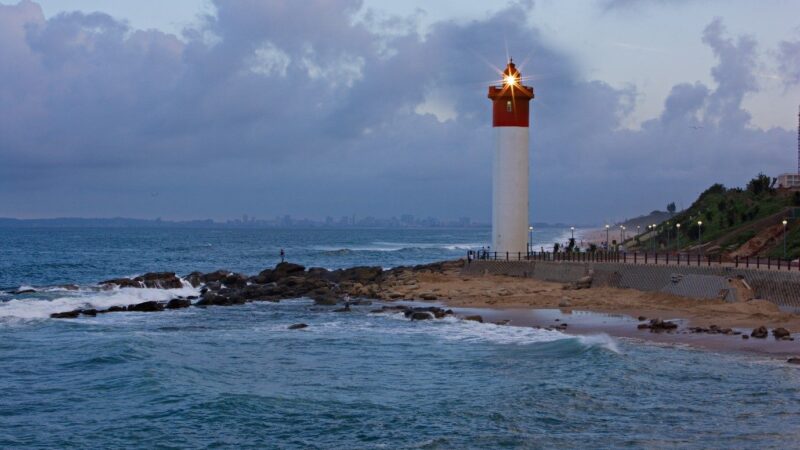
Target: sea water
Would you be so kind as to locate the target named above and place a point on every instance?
(237, 377)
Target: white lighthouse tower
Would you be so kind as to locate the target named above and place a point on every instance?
(510, 170)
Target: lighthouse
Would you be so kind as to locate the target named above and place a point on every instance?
(510, 172)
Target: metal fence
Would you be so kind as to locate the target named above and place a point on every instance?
(677, 259)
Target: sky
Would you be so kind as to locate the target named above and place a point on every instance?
(214, 109)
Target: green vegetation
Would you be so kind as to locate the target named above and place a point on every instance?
(723, 220)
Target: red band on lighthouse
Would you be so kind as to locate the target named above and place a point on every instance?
(510, 101)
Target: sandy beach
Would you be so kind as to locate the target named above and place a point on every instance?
(516, 295)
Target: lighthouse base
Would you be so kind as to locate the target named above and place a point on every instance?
(510, 190)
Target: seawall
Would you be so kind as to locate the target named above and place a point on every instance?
(781, 288)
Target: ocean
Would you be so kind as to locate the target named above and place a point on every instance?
(236, 377)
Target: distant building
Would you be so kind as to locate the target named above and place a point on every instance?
(789, 181)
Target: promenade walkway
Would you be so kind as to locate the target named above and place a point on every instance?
(646, 258)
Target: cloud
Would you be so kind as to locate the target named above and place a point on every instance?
(313, 109)
(789, 62)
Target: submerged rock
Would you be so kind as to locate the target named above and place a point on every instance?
(66, 315)
(421, 315)
(151, 306)
(177, 303)
(298, 326)
(475, 318)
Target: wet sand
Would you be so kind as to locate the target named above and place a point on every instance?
(529, 302)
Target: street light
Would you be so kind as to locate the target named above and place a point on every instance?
(678, 237)
(608, 244)
(530, 239)
(667, 228)
(572, 232)
(784, 237)
(700, 235)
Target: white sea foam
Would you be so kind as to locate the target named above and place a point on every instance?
(36, 308)
(381, 246)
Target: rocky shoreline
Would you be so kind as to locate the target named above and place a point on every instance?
(441, 281)
(352, 286)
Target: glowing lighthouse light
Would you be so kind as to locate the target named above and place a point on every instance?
(510, 177)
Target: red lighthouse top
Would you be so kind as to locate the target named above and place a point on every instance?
(510, 101)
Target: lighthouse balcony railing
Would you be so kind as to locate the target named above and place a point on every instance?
(649, 258)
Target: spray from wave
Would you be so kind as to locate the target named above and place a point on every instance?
(33, 307)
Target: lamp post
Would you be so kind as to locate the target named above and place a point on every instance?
(530, 239)
(608, 243)
(678, 237)
(622, 228)
(700, 235)
(784, 237)
(655, 238)
(667, 228)
(572, 232)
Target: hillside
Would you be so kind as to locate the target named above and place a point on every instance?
(735, 222)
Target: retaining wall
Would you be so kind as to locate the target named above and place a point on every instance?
(781, 288)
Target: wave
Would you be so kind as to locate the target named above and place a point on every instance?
(38, 308)
(399, 247)
(453, 329)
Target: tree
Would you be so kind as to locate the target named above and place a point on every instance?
(671, 208)
(760, 184)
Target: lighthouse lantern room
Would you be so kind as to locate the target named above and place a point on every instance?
(510, 171)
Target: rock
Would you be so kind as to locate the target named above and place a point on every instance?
(235, 280)
(160, 280)
(194, 278)
(215, 277)
(428, 296)
(662, 325)
(781, 333)
(793, 360)
(760, 332)
(121, 282)
(116, 309)
(502, 322)
(584, 282)
(177, 303)
(298, 326)
(475, 318)
(25, 291)
(89, 312)
(66, 315)
(153, 280)
(564, 303)
(744, 336)
(150, 306)
(421, 315)
(643, 326)
(642, 318)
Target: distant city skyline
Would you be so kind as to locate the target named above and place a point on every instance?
(198, 108)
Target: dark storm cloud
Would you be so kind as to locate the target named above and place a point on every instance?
(310, 108)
